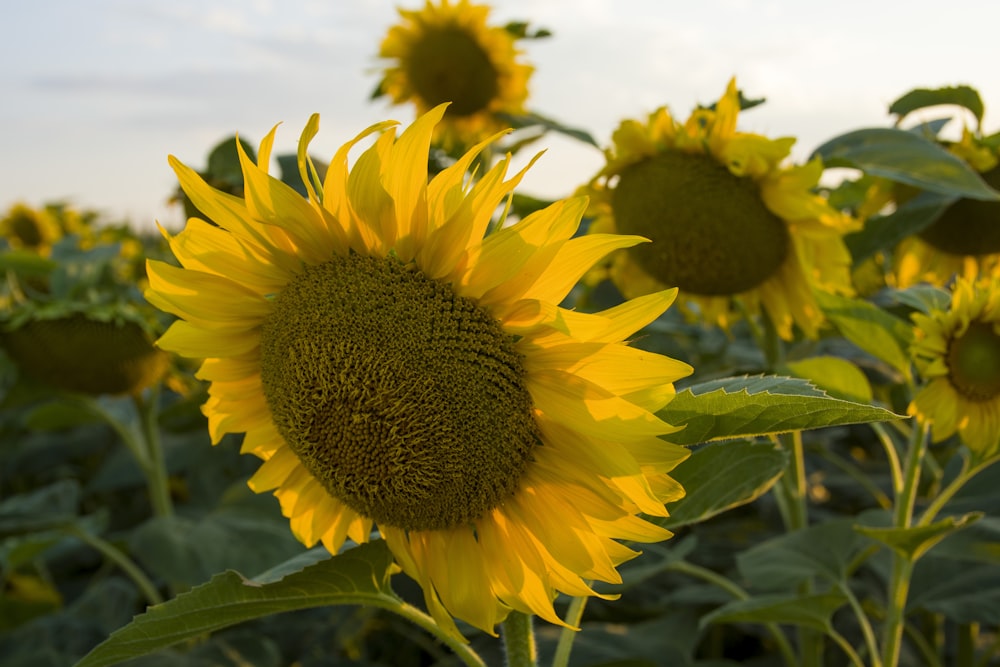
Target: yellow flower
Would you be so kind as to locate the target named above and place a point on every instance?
(30, 229)
(391, 366)
(729, 226)
(957, 352)
(448, 53)
(965, 240)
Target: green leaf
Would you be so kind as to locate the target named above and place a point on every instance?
(838, 377)
(921, 98)
(884, 232)
(924, 298)
(26, 263)
(48, 507)
(224, 161)
(912, 543)
(811, 611)
(59, 416)
(721, 476)
(759, 405)
(357, 576)
(875, 331)
(520, 30)
(907, 158)
(532, 119)
(977, 542)
(821, 550)
(183, 550)
(961, 592)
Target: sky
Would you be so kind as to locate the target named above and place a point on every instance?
(96, 93)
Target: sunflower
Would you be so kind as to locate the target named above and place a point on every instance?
(957, 353)
(448, 53)
(26, 228)
(393, 367)
(965, 239)
(729, 226)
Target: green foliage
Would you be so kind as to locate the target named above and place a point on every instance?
(921, 98)
(721, 476)
(884, 336)
(811, 611)
(357, 576)
(908, 158)
(761, 405)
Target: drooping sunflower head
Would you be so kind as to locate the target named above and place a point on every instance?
(957, 353)
(81, 354)
(727, 222)
(395, 366)
(965, 239)
(448, 53)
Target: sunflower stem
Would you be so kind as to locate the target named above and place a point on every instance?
(968, 633)
(519, 640)
(457, 645)
(118, 557)
(902, 566)
(569, 633)
(156, 471)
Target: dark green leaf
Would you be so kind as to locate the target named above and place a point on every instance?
(811, 611)
(183, 550)
(759, 405)
(44, 508)
(921, 98)
(978, 542)
(908, 158)
(358, 576)
(961, 592)
(58, 416)
(822, 550)
(875, 331)
(912, 543)
(721, 476)
(884, 232)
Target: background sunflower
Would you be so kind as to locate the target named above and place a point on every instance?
(730, 227)
(957, 352)
(449, 53)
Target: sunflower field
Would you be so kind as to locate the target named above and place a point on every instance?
(384, 407)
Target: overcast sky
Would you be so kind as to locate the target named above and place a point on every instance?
(97, 93)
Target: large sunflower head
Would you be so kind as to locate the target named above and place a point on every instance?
(730, 227)
(957, 353)
(392, 366)
(965, 239)
(448, 53)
